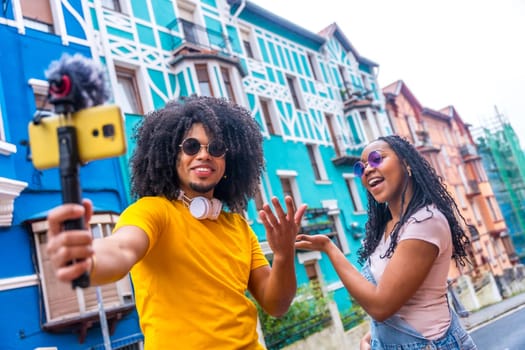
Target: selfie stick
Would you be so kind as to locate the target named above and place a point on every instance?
(74, 84)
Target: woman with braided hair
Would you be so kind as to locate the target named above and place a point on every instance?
(414, 229)
(191, 261)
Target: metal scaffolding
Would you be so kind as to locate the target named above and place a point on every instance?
(504, 161)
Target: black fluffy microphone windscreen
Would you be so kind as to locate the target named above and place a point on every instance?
(75, 83)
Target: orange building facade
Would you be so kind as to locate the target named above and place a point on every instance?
(445, 141)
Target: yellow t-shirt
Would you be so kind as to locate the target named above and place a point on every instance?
(190, 286)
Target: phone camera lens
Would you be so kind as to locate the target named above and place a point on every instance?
(108, 130)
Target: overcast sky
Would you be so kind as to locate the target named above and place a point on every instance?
(468, 53)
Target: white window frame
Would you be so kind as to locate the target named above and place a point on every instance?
(334, 212)
(480, 171)
(460, 197)
(123, 4)
(291, 175)
(247, 33)
(412, 128)
(463, 177)
(117, 294)
(477, 214)
(121, 96)
(230, 74)
(446, 156)
(351, 181)
(336, 134)
(293, 81)
(494, 208)
(318, 161)
(6, 148)
(314, 66)
(274, 119)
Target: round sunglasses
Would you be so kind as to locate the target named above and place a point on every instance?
(191, 146)
(374, 160)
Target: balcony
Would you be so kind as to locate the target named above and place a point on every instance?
(514, 258)
(200, 43)
(468, 152)
(474, 233)
(345, 159)
(317, 221)
(498, 233)
(473, 188)
(81, 323)
(357, 99)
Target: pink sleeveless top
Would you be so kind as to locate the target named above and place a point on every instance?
(427, 310)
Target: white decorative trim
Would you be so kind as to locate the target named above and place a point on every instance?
(39, 86)
(286, 173)
(266, 248)
(308, 256)
(7, 148)
(18, 282)
(9, 190)
(334, 286)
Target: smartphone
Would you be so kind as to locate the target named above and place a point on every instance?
(99, 129)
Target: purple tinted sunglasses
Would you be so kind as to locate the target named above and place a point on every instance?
(374, 160)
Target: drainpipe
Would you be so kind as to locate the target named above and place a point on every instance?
(239, 10)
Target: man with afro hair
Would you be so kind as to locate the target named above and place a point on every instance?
(191, 261)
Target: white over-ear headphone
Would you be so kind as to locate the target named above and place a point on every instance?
(201, 207)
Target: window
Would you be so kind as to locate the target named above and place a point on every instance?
(477, 214)
(228, 83)
(246, 43)
(112, 5)
(354, 193)
(366, 84)
(494, 209)
(186, 20)
(313, 161)
(461, 172)
(344, 79)
(460, 197)
(63, 305)
(41, 101)
(332, 127)
(367, 126)
(128, 92)
(40, 91)
(313, 66)
(287, 188)
(289, 185)
(317, 162)
(446, 156)
(448, 137)
(334, 214)
(481, 175)
(412, 128)
(292, 85)
(267, 116)
(488, 248)
(258, 199)
(38, 15)
(204, 80)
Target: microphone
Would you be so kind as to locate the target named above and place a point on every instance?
(75, 83)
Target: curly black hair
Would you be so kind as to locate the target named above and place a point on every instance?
(429, 188)
(154, 170)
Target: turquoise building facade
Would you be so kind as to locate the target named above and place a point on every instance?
(316, 99)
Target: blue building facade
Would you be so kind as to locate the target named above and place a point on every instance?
(38, 310)
(315, 97)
